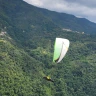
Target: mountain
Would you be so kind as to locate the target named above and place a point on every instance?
(33, 17)
(71, 22)
(27, 36)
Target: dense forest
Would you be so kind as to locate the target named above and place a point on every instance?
(26, 55)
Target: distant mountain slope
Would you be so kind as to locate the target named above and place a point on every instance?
(24, 17)
(23, 21)
(69, 21)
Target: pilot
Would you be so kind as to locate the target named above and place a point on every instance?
(48, 78)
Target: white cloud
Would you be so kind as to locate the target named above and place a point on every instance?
(82, 8)
(34, 2)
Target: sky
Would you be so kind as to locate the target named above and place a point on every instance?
(79, 8)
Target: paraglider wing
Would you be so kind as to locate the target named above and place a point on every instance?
(60, 49)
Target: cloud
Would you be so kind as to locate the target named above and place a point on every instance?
(81, 8)
(34, 2)
(88, 3)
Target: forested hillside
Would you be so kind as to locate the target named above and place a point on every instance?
(26, 52)
(71, 22)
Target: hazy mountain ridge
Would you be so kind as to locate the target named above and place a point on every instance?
(71, 22)
(27, 17)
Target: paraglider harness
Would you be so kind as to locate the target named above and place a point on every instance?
(48, 78)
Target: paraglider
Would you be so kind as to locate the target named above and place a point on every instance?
(60, 49)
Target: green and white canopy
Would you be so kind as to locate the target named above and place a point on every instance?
(60, 49)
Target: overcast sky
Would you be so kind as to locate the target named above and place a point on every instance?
(80, 8)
